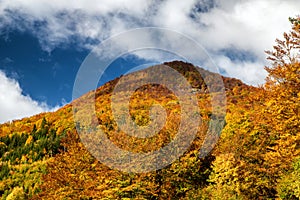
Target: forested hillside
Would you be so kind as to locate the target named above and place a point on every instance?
(257, 155)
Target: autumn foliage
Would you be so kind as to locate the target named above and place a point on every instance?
(256, 157)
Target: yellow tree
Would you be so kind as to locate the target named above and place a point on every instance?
(283, 106)
(282, 109)
(263, 132)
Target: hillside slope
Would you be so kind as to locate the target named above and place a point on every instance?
(43, 154)
(257, 155)
(43, 157)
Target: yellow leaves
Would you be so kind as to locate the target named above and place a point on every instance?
(24, 158)
(5, 129)
(289, 184)
(224, 170)
(24, 178)
(60, 130)
(16, 194)
(29, 140)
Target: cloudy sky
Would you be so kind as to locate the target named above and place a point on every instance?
(43, 43)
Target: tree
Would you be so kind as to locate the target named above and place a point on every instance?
(285, 52)
(263, 132)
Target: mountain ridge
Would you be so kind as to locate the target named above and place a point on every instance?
(229, 84)
(46, 139)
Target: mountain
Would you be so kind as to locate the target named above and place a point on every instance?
(54, 155)
(43, 155)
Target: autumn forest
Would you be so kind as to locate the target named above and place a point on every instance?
(257, 155)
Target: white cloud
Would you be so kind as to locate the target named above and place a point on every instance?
(246, 25)
(248, 71)
(15, 105)
(249, 25)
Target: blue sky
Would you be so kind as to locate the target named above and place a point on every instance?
(43, 43)
(44, 76)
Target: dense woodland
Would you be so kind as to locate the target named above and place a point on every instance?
(257, 155)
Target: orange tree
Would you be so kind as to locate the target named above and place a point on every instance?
(262, 135)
